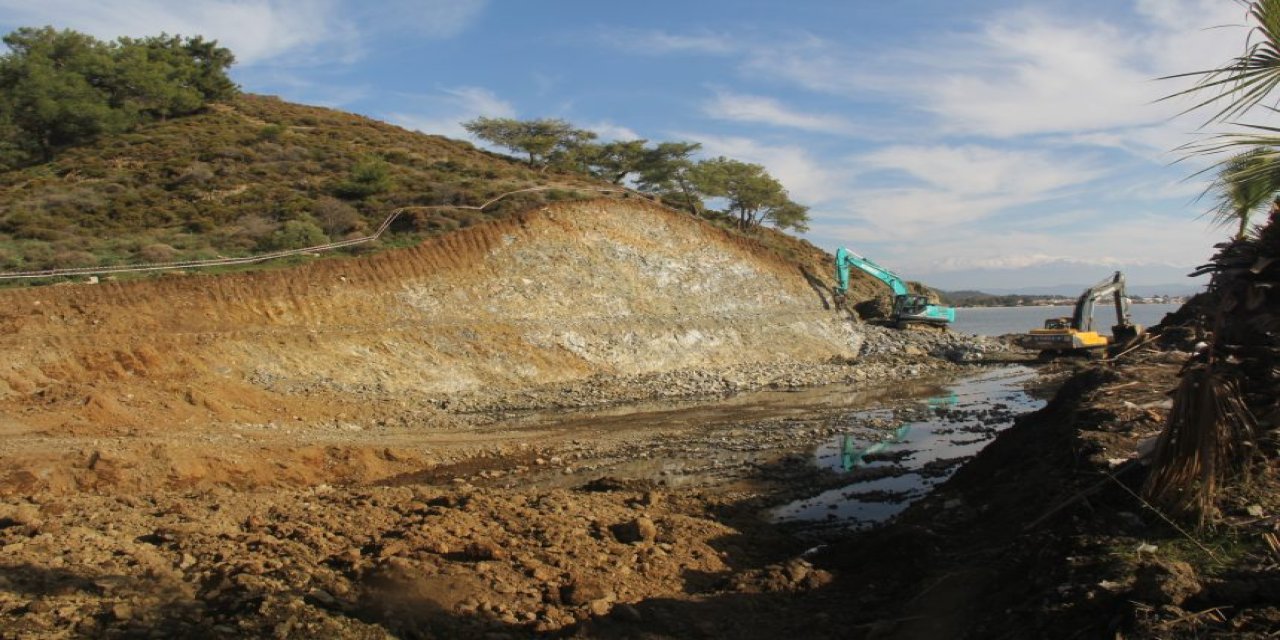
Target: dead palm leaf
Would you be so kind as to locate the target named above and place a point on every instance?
(1204, 443)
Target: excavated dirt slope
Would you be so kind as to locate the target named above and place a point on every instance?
(606, 287)
(567, 293)
(337, 450)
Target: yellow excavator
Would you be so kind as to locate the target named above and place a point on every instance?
(1076, 336)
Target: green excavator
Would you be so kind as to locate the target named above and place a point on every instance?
(908, 308)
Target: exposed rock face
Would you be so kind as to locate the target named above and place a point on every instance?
(559, 294)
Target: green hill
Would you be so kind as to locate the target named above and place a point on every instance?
(247, 176)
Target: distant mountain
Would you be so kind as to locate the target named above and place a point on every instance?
(1066, 277)
(1143, 290)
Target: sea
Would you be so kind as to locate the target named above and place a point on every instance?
(998, 321)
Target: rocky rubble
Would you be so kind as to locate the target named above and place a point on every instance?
(885, 354)
(944, 345)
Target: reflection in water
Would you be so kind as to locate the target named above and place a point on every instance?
(851, 457)
(889, 474)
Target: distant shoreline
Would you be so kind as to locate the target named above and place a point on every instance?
(1060, 304)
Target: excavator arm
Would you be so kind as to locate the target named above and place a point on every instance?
(907, 307)
(1082, 318)
(846, 258)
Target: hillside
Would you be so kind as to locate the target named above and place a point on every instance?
(602, 288)
(229, 181)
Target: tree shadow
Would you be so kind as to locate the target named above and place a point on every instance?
(825, 294)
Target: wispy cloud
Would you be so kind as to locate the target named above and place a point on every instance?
(660, 42)
(765, 110)
(612, 131)
(981, 170)
(1024, 72)
(279, 32)
(808, 179)
(254, 30)
(444, 112)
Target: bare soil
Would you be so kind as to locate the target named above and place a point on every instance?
(565, 425)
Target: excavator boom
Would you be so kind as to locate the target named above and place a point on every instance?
(907, 307)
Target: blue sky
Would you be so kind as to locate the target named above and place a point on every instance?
(983, 144)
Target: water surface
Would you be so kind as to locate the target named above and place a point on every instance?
(924, 450)
(998, 321)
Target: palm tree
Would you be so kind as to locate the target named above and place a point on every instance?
(1205, 443)
(1249, 78)
(1247, 180)
(1245, 183)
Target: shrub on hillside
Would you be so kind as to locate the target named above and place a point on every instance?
(271, 132)
(68, 259)
(336, 217)
(197, 173)
(158, 252)
(296, 234)
(253, 231)
(369, 176)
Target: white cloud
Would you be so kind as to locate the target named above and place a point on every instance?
(979, 170)
(659, 42)
(807, 179)
(766, 110)
(1032, 75)
(1025, 72)
(1098, 245)
(612, 131)
(944, 190)
(255, 30)
(446, 111)
(304, 32)
(907, 214)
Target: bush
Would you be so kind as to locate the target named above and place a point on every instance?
(253, 230)
(370, 176)
(271, 132)
(69, 259)
(296, 234)
(336, 217)
(158, 252)
(197, 173)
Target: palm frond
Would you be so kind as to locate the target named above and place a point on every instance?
(1245, 183)
(1244, 81)
(1204, 443)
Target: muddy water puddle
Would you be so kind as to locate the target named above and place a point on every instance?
(883, 445)
(922, 447)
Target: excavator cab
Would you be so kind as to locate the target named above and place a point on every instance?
(1057, 323)
(911, 305)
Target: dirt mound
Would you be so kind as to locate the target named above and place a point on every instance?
(338, 563)
(566, 293)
